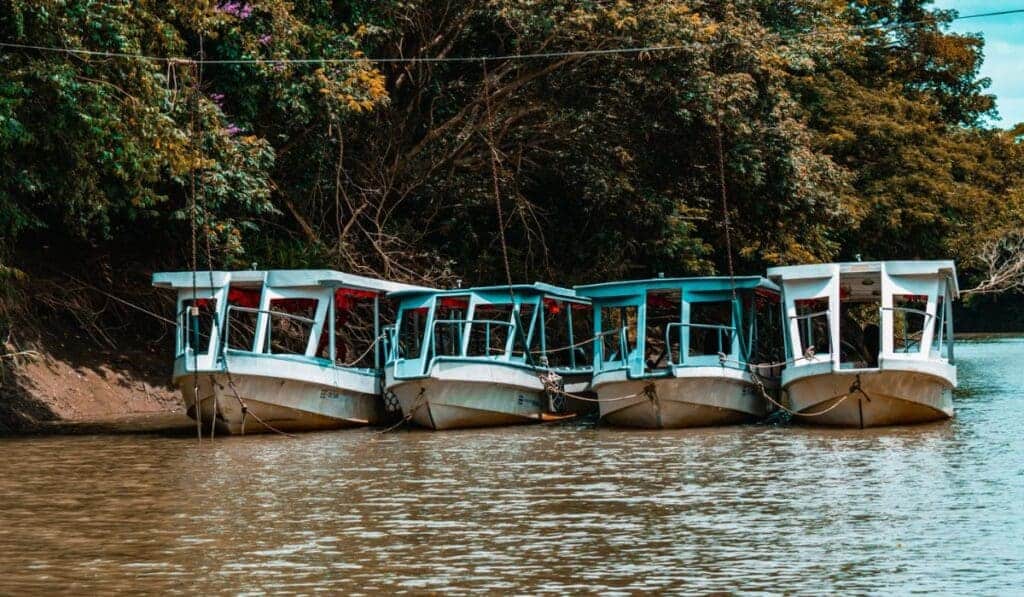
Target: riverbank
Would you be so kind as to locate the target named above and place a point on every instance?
(68, 379)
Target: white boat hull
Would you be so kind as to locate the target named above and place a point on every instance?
(285, 393)
(889, 397)
(694, 400)
(466, 395)
(285, 405)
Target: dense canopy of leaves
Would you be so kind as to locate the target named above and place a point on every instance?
(844, 127)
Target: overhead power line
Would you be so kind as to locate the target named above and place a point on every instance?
(991, 14)
(423, 59)
(630, 50)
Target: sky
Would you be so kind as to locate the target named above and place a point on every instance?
(1004, 51)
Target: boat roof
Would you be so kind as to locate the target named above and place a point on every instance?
(521, 289)
(936, 268)
(695, 283)
(278, 278)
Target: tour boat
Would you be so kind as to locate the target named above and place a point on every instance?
(286, 350)
(869, 344)
(488, 356)
(676, 352)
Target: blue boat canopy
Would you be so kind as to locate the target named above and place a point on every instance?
(655, 327)
(516, 326)
(625, 288)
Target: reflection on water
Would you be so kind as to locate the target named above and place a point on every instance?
(534, 508)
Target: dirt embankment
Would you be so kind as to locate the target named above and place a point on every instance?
(68, 379)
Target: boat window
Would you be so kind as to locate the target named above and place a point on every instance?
(411, 330)
(556, 333)
(664, 314)
(710, 328)
(197, 330)
(812, 321)
(291, 322)
(449, 325)
(243, 313)
(582, 333)
(490, 328)
(860, 306)
(858, 333)
(353, 329)
(618, 332)
(909, 318)
(525, 319)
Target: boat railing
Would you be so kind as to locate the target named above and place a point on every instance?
(613, 359)
(189, 327)
(912, 338)
(458, 348)
(184, 328)
(269, 313)
(807, 339)
(461, 349)
(724, 343)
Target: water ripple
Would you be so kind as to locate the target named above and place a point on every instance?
(548, 509)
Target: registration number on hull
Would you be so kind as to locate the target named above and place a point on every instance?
(332, 395)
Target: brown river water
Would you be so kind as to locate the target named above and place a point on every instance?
(565, 508)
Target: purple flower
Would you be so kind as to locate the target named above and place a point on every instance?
(231, 130)
(218, 98)
(265, 39)
(236, 9)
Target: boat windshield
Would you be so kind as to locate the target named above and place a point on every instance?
(242, 317)
(290, 325)
(618, 339)
(910, 318)
(711, 328)
(664, 308)
(860, 304)
(812, 317)
(489, 331)
(354, 329)
(525, 332)
(411, 332)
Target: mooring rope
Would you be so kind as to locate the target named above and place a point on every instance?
(194, 308)
(855, 387)
(577, 344)
(495, 158)
(725, 202)
(550, 385)
(356, 360)
(417, 403)
(245, 409)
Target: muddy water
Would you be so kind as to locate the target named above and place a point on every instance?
(560, 508)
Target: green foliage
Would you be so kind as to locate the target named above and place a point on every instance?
(846, 128)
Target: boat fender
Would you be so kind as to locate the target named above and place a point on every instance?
(391, 403)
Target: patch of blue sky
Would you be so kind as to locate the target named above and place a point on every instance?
(1004, 51)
